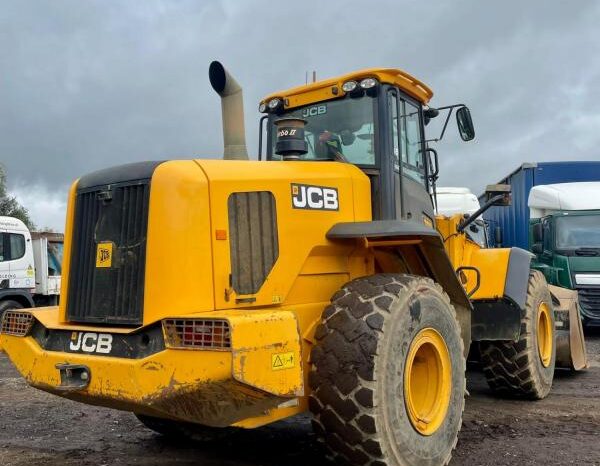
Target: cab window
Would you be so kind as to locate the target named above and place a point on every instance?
(547, 234)
(411, 143)
(12, 246)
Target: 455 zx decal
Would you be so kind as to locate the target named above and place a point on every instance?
(305, 196)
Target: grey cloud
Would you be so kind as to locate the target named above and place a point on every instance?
(84, 85)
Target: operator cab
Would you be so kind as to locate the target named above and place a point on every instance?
(374, 119)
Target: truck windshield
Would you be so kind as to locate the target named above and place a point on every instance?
(578, 231)
(345, 125)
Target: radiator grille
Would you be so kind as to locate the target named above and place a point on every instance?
(253, 242)
(116, 215)
(589, 299)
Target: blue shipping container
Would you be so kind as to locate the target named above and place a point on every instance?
(514, 220)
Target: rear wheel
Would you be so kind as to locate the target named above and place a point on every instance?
(178, 429)
(388, 373)
(525, 368)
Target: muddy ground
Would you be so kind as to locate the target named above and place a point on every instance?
(40, 429)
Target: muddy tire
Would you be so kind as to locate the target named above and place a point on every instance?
(177, 430)
(525, 368)
(372, 355)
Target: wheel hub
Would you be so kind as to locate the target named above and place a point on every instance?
(544, 334)
(427, 381)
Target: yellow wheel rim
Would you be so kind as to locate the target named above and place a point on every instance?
(427, 381)
(544, 334)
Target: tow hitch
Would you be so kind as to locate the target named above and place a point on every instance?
(73, 377)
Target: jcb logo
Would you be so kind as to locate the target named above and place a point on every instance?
(104, 254)
(91, 342)
(314, 111)
(314, 197)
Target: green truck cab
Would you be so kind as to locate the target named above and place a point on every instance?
(564, 234)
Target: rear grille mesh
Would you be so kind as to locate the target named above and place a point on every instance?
(109, 294)
(589, 298)
(16, 323)
(197, 333)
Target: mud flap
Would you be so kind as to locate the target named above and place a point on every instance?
(570, 342)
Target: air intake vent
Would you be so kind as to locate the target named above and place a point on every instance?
(253, 242)
(106, 278)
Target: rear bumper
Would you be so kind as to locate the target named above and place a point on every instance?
(215, 388)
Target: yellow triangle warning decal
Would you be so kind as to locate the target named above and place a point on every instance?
(281, 361)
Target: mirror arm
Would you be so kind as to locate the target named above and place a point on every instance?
(451, 109)
(471, 218)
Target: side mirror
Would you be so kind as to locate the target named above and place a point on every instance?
(498, 236)
(465, 124)
(537, 232)
(499, 193)
(537, 248)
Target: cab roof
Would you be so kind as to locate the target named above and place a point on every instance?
(332, 88)
(544, 199)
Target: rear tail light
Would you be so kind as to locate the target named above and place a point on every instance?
(197, 333)
(16, 323)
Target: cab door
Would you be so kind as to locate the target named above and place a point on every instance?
(413, 201)
(18, 255)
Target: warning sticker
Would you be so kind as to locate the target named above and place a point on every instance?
(281, 361)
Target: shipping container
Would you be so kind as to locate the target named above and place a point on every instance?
(514, 220)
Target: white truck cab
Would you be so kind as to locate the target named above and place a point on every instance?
(30, 266)
(453, 200)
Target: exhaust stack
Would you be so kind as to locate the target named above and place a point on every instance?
(232, 109)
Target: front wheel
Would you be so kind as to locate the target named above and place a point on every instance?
(525, 368)
(388, 373)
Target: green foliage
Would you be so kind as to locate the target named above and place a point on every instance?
(9, 206)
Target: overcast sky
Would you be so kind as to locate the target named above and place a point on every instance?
(89, 84)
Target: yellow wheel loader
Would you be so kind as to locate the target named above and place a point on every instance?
(210, 295)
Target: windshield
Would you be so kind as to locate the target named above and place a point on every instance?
(477, 233)
(578, 231)
(345, 126)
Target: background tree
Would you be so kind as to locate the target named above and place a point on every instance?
(9, 205)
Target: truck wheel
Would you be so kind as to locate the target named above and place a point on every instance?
(525, 368)
(388, 373)
(178, 429)
(8, 305)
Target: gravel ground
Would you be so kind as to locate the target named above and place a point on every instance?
(40, 429)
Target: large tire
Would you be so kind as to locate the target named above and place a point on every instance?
(360, 402)
(178, 430)
(525, 368)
